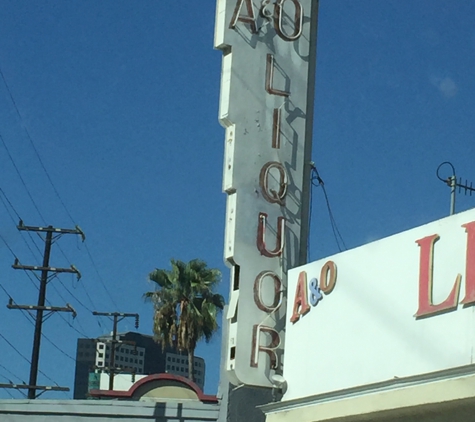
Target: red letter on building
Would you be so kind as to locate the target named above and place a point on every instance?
(426, 277)
(469, 298)
(301, 306)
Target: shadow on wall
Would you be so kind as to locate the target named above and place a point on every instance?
(243, 402)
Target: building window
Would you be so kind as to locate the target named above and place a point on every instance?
(126, 359)
(101, 355)
(141, 354)
(127, 351)
(101, 346)
(140, 362)
(100, 363)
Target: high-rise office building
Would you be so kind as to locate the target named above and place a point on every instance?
(136, 353)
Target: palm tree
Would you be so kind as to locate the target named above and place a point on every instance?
(186, 308)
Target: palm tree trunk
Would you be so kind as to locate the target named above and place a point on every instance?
(191, 366)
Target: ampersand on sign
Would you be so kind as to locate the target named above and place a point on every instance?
(315, 293)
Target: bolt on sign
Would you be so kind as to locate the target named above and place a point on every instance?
(266, 107)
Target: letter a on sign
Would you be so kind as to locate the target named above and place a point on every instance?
(250, 18)
(301, 306)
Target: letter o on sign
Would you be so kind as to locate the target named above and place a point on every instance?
(276, 291)
(298, 20)
(328, 277)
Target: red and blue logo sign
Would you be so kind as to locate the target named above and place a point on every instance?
(308, 295)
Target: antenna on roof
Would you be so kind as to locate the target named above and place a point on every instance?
(454, 184)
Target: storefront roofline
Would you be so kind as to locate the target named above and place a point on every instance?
(397, 395)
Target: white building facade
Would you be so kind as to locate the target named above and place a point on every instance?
(385, 331)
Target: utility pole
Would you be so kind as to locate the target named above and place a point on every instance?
(117, 317)
(40, 308)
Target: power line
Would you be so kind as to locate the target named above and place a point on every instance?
(14, 348)
(100, 277)
(23, 312)
(11, 373)
(11, 206)
(18, 218)
(317, 181)
(61, 250)
(29, 318)
(8, 246)
(39, 251)
(52, 185)
(57, 347)
(34, 147)
(21, 178)
(8, 391)
(37, 288)
(77, 299)
(82, 334)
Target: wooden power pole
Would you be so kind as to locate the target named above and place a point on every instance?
(52, 234)
(117, 317)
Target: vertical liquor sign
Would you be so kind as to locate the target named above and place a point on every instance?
(266, 107)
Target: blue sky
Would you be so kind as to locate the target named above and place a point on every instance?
(120, 99)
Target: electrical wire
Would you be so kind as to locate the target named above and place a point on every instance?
(72, 294)
(11, 206)
(61, 250)
(12, 383)
(309, 222)
(15, 222)
(14, 348)
(52, 185)
(8, 246)
(31, 320)
(317, 181)
(27, 315)
(33, 145)
(11, 373)
(21, 178)
(61, 316)
(26, 359)
(37, 288)
(100, 277)
(41, 216)
(39, 251)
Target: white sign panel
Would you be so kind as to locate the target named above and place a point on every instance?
(393, 308)
(266, 106)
